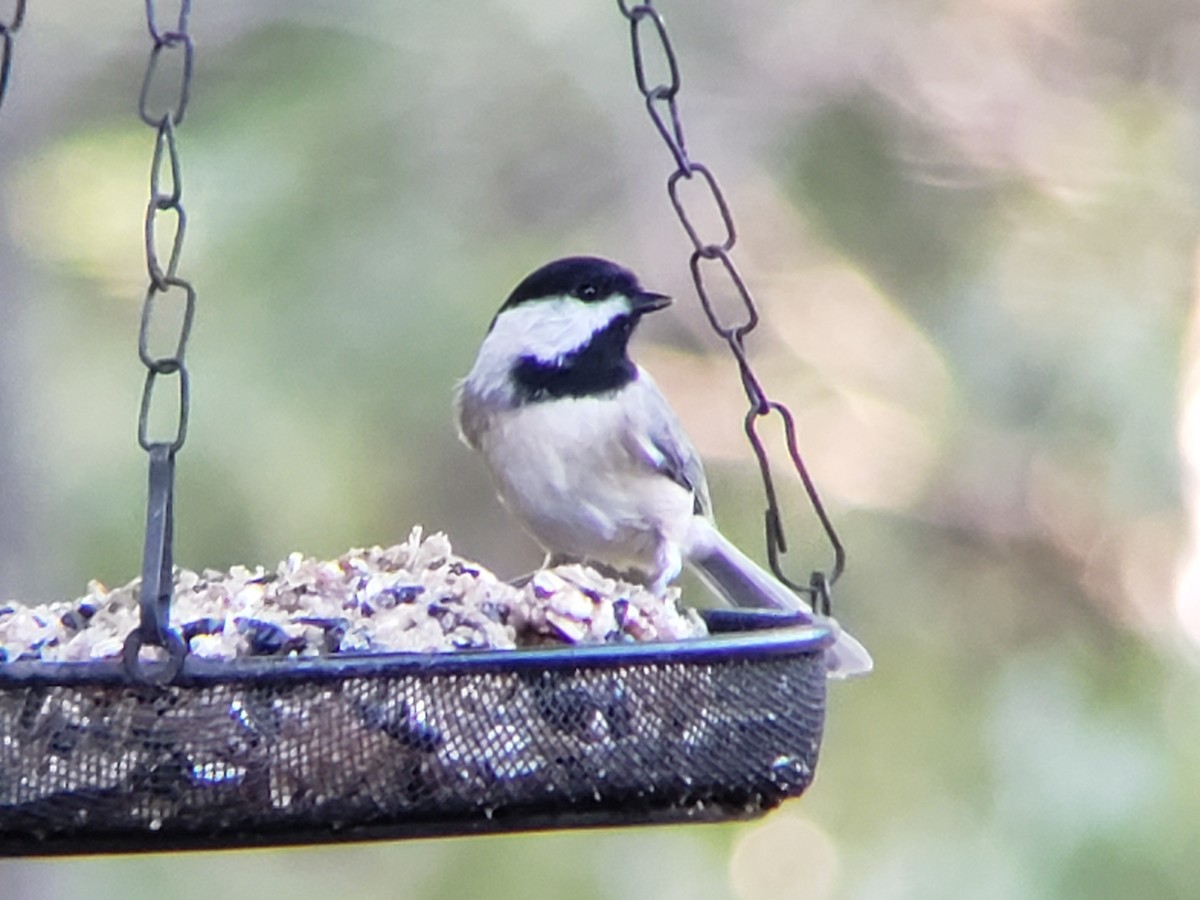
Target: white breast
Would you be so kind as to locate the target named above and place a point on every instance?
(566, 469)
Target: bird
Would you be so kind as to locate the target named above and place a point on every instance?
(586, 452)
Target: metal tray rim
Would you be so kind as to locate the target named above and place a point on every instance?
(753, 641)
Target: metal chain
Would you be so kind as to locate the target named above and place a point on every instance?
(166, 290)
(647, 27)
(8, 30)
(165, 168)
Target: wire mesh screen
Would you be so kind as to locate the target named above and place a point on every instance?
(365, 748)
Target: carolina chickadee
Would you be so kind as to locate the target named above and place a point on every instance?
(587, 453)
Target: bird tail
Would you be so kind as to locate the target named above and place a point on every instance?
(740, 581)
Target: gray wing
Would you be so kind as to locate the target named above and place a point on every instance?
(658, 439)
(469, 414)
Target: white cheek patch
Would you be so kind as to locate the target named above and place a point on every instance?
(545, 329)
(550, 329)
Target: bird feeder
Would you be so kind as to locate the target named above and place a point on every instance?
(160, 748)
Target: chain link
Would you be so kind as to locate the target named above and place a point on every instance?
(8, 30)
(715, 256)
(166, 286)
(171, 301)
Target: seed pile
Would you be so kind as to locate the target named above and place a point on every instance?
(414, 596)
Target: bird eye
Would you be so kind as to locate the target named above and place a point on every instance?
(587, 292)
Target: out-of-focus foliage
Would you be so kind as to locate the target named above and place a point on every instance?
(973, 232)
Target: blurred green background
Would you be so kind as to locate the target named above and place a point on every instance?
(972, 228)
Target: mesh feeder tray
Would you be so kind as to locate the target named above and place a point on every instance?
(122, 755)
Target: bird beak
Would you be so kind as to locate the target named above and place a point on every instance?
(647, 301)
